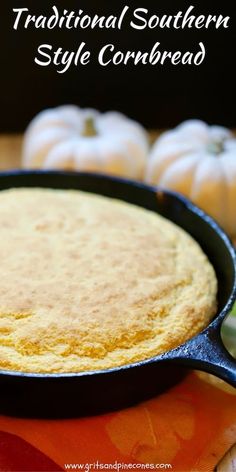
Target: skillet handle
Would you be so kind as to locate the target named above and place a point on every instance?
(207, 352)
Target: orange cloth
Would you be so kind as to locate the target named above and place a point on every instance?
(191, 427)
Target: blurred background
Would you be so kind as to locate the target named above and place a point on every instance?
(157, 96)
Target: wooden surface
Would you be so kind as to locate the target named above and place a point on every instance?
(228, 462)
(10, 151)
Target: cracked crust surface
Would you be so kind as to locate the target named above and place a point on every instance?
(91, 283)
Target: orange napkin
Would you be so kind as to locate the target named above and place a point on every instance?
(189, 427)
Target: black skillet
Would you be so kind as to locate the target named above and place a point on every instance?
(61, 395)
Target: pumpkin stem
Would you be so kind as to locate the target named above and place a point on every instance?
(89, 127)
(216, 147)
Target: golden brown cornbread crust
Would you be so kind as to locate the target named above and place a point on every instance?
(92, 283)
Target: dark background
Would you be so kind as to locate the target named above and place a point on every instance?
(157, 96)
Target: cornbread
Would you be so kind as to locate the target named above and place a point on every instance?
(89, 282)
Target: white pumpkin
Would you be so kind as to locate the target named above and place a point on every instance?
(198, 161)
(72, 138)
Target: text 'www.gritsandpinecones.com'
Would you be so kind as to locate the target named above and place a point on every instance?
(116, 466)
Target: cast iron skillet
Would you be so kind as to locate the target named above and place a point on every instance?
(61, 395)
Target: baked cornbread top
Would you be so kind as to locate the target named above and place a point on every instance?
(90, 283)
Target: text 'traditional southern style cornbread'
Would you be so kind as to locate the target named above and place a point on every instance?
(87, 282)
